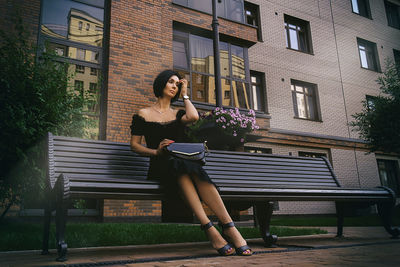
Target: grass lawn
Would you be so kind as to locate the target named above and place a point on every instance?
(27, 236)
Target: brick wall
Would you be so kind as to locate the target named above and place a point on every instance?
(28, 10)
(131, 208)
(140, 47)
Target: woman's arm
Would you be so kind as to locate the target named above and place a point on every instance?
(191, 113)
(137, 147)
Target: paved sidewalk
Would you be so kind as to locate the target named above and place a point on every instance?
(361, 246)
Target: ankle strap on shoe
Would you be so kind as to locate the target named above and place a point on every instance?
(206, 226)
(227, 225)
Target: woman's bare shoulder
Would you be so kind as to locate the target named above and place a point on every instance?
(144, 112)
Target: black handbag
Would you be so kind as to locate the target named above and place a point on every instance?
(189, 151)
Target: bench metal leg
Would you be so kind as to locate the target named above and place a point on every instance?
(62, 186)
(385, 211)
(340, 218)
(61, 218)
(46, 230)
(264, 214)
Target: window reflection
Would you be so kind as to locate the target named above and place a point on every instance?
(64, 19)
(180, 54)
(224, 59)
(241, 94)
(202, 54)
(86, 83)
(238, 67)
(203, 88)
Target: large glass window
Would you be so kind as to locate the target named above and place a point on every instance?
(361, 7)
(389, 174)
(194, 59)
(305, 100)
(368, 54)
(229, 9)
(298, 34)
(74, 31)
(392, 14)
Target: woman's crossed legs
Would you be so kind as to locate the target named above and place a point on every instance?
(211, 197)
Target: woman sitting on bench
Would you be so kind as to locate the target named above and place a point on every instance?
(161, 125)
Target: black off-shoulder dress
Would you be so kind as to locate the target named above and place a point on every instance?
(167, 169)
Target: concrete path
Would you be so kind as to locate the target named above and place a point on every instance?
(361, 246)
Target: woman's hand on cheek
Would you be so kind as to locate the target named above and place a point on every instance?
(184, 84)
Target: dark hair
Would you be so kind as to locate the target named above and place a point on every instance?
(161, 81)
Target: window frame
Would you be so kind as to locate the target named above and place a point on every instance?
(395, 170)
(307, 33)
(180, 35)
(225, 15)
(315, 97)
(370, 49)
(257, 17)
(396, 57)
(367, 6)
(370, 102)
(389, 9)
(263, 88)
(258, 150)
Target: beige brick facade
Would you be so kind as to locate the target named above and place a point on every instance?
(334, 66)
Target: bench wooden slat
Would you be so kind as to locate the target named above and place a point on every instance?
(270, 166)
(122, 166)
(249, 169)
(98, 145)
(93, 156)
(78, 176)
(260, 161)
(105, 161)
(259, 175)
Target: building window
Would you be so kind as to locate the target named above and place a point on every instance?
(311, 154)
(93, 71)
(396, 54)
(228, 9)
(389, 174)
(260, 150)
(305, 100)
(252, 17)
(361, 7)
(80, 54)
(74, 30)
(370, 100)
(257, 81)
(298, 34)
(392, 14)
(194, 59)
(79, 87)
(79, 69)
(368, 55)
(92, 87)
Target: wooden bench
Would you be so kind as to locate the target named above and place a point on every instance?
(79, 168)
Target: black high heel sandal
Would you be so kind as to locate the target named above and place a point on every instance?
(224, 251)
(240, 250)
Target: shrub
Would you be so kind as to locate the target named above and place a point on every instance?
(35, 98)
